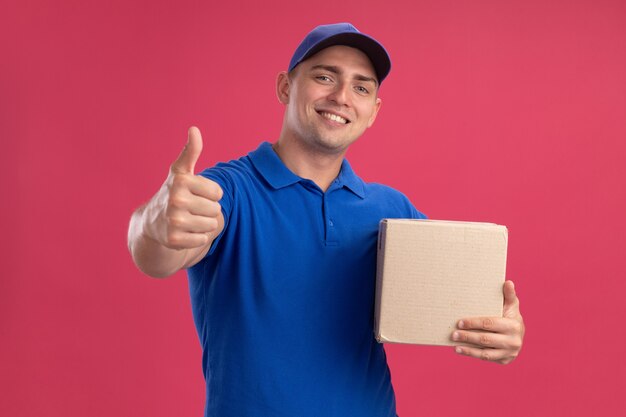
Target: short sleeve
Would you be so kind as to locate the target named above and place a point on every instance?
(413, 213)
(416, 214)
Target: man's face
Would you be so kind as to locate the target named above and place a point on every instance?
(331, 99)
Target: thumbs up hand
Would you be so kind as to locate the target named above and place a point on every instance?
(185, 213)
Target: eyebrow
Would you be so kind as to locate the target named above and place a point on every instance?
(338, 71)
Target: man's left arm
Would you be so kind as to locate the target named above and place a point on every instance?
(496, 339)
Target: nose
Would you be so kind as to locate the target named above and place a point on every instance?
(340, 94)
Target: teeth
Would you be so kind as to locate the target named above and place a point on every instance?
(334, 117)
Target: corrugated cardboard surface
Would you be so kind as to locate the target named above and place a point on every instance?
(431, 273)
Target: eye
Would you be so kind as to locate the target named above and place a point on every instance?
(362, 89)
(323, 78)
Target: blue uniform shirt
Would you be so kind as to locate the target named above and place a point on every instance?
(284, 301)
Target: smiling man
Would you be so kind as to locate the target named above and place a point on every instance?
(280, 247)
(331, 99)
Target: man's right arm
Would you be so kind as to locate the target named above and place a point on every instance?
(176, 228)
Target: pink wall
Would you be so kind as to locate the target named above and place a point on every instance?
(506, 111)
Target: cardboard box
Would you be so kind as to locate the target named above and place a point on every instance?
(432, 273)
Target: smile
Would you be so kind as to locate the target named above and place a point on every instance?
(334, 117)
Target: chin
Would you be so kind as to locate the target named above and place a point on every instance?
(332, 146)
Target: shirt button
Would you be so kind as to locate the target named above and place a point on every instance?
(330, 222)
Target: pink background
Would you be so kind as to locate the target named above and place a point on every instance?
(512, 112)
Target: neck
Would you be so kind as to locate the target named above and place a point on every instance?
(319, 167)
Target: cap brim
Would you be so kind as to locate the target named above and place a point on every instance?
(370, 47)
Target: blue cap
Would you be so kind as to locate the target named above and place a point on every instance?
(343, 34)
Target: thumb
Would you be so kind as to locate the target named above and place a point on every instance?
(511, 302)
(187, 159)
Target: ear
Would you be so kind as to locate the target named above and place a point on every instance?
(379, 103)
(282, 87)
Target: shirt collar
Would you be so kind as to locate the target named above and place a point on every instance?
(350, 180)
(267, 162)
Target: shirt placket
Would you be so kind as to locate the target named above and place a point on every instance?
(330, 226)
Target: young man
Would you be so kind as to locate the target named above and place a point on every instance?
(281, 250)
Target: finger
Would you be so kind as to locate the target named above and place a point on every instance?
(490, 324)
(511, 302)
(492, 355)
(205, 187)
(483, 339)
(186, 161)
(193, 224)
(183, 203)
(184, 240)
(201, 206)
